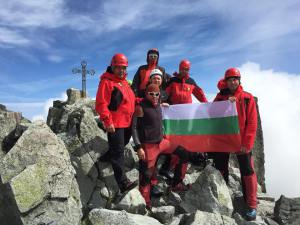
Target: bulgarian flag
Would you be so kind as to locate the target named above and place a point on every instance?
(203, 127)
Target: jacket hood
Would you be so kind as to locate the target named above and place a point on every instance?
(152, 51)
(222, 84)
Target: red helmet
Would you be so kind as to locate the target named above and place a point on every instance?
(232, 72)
(119, 59)
(184, 64)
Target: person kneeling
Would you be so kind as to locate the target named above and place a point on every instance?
(147, 133)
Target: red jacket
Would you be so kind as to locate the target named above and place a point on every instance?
(247, 114)
(115, 101)
(180, 90)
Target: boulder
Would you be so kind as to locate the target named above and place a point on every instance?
(164, 214)
(74, 122)
(207, 218)
(241, 221)
(113, 217)
(39, 171)
(209, 193)
(132, 202)
(74, 95)
(287, 210)
(8, 121)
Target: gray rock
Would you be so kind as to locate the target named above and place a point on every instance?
(270, 221)
(2, 107)
(8, 122)
(73, 95)
(131, 158)
(207, 218)
(112, 217)
(74, 122)
(265, 208)
(177, 219)
(164, 214)
(241, 221)
(97, 200)
(209, 193)
(9, 213)
(132, 202)
(42, 179)
(287, 210)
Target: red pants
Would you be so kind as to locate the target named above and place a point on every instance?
(147, 166)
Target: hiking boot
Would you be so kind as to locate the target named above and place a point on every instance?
(105, 157)
(127, 186)
(251, 214)
(156, 191)
(149, 211)
(181, 187)
(166, 173)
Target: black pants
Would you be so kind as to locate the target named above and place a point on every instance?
(221, 160)
(116, 142)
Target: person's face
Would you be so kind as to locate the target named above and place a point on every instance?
(156, 79)
(184, 72)
(152, 58)
(232, 84)
(120, 71)
(153, 97)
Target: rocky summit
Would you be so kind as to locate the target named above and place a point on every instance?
(51, 174)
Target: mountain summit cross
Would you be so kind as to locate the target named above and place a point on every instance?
(84, 72)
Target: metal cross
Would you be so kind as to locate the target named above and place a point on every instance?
(84, 72)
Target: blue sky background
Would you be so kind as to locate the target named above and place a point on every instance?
(41, 41)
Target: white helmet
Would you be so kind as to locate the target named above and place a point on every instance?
(156, 72)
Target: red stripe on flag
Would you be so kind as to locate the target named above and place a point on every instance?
(208, 143)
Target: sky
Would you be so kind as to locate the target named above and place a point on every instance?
(42, 41)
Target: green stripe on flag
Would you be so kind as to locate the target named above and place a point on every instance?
(224, 125)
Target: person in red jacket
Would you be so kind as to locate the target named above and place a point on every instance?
(142, 76)
(180, 89)
(232, 90)
(115, 104)
(147, 133)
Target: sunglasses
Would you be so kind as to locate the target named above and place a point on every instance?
(154, 94)
(153, 56)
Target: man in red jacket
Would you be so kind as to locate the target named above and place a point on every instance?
(247, 116)
(180, 89)
(115, 103)
(142, 76)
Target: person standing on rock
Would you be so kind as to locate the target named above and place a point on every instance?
(147, 133)
(180, 89)
(231, 89)
(142, 76)
(115, 104)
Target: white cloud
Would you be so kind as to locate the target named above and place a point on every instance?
(34, 110)
(55, 58)
(12, 37)
(278, 98)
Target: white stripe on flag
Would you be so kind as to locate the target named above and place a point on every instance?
(200, 110)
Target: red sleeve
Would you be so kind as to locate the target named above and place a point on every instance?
(199, 94)
(220, 97)
(102, 101)
(251, 125)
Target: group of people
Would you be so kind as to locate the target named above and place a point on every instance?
(135, 110)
